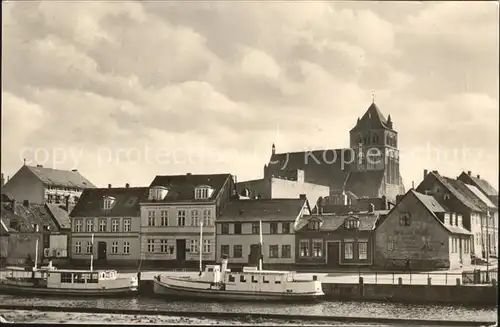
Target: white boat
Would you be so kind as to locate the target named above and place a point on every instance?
(49, 280)
(219, 283)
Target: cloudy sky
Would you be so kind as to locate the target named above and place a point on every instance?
(125, 90)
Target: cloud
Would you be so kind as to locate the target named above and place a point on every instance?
(232, 78)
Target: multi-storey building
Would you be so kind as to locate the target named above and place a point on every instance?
(171, 217)
(454, 196)
(423, 233)
(238, 231)
(111, 218)
(39, 185)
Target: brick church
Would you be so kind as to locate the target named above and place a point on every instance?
(368, 168)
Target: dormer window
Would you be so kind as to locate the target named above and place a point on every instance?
(158, 193)
(352, 223)
(109, 201)
(313, 225)
(446, 196)
(203, 192)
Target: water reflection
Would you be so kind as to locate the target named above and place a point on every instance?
(340, 308)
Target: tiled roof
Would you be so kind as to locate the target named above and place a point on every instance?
(480, 195)
(27, 216)
(435, 207)
(365, 183)
(331, 222)
(262, 209)
(372, 118)
(181, 187)
(60, 215)
(127, 200)
(61, 178)
(485, 186)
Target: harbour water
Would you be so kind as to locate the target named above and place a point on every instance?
(340, 308)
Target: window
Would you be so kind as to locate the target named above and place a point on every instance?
(207, 246)
(304, 248)
(163, 246)
(193, 246)
(242, 279)
(313, 225)
(273, 251)
(351, 224)
(207, 217)
(255, 228)
(231, 279)
(224, 250)
(404, 219)
(151, 218)
(90, 225)
(285, 228)
(447, 219)
(78, 225)
(126, 247)
(391, 242)
(78, 247)
(265, 279)
(126, 225)
(195, 218)
(273, 228)
(181, 218)
(237, 251)
(151, 246)
(286, 251)
(66, 278)
(115, 225)
(89, 248)
(102, 225)
(363, 251)
(466, 245)
(317, 248)
(348, 250)
(164, 218)
(202, 193)
(224, 229)
(108, 202)
(460, 221)
(237, 228)
(255, 279)
(114, 247)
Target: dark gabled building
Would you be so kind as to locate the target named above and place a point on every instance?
(483, 185)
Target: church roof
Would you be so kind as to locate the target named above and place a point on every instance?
(373, 118)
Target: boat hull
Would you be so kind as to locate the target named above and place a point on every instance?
(170, 291)
(43, 291)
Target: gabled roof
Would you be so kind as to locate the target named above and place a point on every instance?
(126, 204)
(60, 215)
(485, 186)
(262, 209)
(27, 216)
(480, 195)
(367, 221)
(182, 187)
(455, 187)
(373, 118)
(61, 178)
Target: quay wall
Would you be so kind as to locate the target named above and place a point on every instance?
(483, 295)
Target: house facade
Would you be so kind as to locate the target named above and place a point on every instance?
(423, 233)
(39, 185)
(105, 223)
(171, 217)
(285, 185)
(450, 193)
(334, 241)
(238, 231)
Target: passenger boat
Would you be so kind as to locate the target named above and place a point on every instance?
(219, 283)
(49, 280)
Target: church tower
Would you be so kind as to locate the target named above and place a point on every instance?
(375, 143)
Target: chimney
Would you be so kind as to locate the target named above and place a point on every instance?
(39, 166)
(425, 173)
(188, 174)
(67, 203)
(371, 207)
(478, 176)
(127, 185)
(435, 171)
(109, 185)
(385, 203)
(26, 203)
(469, 173)
(413, 184)
(302, 196)
(74, 170)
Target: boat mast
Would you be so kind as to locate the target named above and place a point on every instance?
(260, 232)
(92, 254)
(200, 248)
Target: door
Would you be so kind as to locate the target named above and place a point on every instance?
(332, 259)
(254, 256)
(101, 251)
(180, 254)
